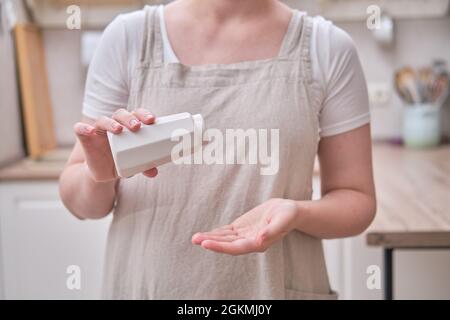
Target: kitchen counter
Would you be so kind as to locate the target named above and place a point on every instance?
(413, 190)
(47, 168)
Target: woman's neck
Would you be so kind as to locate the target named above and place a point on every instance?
(226, 31)
(228, 10)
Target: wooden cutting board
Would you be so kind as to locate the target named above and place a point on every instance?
(34, 90)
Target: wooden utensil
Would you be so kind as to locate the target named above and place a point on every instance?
(406, 84)
(36, 104)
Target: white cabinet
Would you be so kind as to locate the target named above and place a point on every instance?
(40, 240)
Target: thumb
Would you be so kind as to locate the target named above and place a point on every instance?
(84, 131)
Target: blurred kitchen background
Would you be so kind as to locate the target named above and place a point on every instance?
(43, 65)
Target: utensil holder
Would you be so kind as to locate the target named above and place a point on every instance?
(421, 125)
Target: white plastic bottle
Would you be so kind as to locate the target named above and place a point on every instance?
(151, 146)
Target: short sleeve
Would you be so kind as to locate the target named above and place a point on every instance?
(345, 104)
(107, 80)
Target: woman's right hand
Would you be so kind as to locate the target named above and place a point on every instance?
(94, 141)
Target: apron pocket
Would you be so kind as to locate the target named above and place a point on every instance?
(299, 295)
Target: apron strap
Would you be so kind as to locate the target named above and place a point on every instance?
(305, 47)
(151, 49)
(297, 42)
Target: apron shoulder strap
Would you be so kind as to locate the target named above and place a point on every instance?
(297, 42)
(151, 47)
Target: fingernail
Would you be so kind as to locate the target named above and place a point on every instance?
(87, 129)
(115, 126)
(148, 116)
(134, 123)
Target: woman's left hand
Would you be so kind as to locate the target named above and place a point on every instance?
(254, 231)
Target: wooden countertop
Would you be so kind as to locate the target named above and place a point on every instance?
(413, 190)
(47, 168)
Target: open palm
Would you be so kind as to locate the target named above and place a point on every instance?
(254, 231)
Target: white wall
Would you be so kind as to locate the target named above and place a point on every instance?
(66, 80)
(417, 43)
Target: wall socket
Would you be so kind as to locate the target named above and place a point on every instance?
(379, 93)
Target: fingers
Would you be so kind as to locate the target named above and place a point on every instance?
(144, 116)
(215, 234)
(127, 119)
(229, 241)
(86, 131)
(225, 227)
(120, 119)
(223, 231)
(238, 247)
(83, 130)
(151, 173)
(104, 124)
(225, 240)
(200, 237)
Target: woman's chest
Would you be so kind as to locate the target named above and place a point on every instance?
(267, 112)
(226, 43)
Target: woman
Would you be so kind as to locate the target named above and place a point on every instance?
(225, 231)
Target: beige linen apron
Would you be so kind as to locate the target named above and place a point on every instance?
(149, 252)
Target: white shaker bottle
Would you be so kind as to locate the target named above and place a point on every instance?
(151, 146)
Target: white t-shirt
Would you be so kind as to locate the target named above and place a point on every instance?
(335, 63)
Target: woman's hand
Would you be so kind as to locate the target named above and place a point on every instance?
(94, 141)
(255, 231)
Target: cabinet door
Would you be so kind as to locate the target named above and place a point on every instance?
(41, 240)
